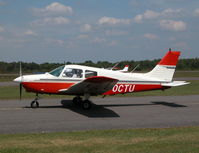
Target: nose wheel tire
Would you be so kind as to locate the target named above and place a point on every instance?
(34, 104)
(86, 105)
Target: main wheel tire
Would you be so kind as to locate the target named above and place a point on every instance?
(77, 100)
(86, 105)
(34, 104)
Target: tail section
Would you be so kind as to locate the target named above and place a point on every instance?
(165, 69)
(125, 69)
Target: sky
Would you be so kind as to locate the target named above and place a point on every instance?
(106, 30)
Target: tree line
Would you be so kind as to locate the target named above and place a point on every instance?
(144, 65)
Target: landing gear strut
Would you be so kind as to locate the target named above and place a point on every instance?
(35, 103)
(85, 104)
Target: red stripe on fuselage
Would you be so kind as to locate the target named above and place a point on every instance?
(46, 87)
(54, 87)
(129, 88)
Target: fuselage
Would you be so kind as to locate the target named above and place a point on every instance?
(66, 76)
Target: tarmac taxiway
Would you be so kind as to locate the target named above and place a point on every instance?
(109, 113)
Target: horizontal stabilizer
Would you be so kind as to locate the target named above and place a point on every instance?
(175, 83)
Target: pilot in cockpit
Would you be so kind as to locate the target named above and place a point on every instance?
(73, 73)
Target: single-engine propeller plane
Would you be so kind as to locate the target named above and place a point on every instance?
(84, 81)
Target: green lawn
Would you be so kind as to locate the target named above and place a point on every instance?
(7, 77)
(171, 140)
(12, 92)
(186, 74)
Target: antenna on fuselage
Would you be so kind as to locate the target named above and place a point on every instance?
(135, 68)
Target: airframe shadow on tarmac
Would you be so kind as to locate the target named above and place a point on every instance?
(170, 104)
(97, 111)
(102, 111)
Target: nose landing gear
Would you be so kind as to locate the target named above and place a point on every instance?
(35, 103)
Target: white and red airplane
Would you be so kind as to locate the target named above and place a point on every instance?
(115, 68)
(84, 81)
(125, 69)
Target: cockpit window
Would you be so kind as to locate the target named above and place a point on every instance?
(89, 73)
(72, 73)
(56, 72)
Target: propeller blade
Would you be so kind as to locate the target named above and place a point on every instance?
(20, 90)
(20, 70)
(20, 85)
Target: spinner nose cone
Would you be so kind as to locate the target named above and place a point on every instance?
(18, 79)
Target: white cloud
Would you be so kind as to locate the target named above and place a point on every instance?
(85, 28)
(150, 36)
(51, 21)
(196, 12)
(82, 37)
(170, 12)
(173, 25)
(113, 21)
(115, 33)
(1, 29)
(54, 8)
(149, 14)
(99, 40)
(50, 41)
(30, 33)
(113, 43)
(138, 18)
(71, 44)
(104, 41)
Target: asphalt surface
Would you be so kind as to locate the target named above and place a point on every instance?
(108, 113)
(9, 83)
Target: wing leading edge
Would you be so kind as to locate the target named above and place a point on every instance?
(95, 85)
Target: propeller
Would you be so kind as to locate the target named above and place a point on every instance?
(20, 84)
(20, 92)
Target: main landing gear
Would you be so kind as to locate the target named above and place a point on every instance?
(85, 104)
(35, 103)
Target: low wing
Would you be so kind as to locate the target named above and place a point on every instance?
(175, 83)
(93, 85)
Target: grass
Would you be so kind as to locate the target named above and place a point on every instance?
(7, 77)
(12, 92)
(186, 74)
(170, 140)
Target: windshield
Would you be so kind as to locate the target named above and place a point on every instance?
(56, 72)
